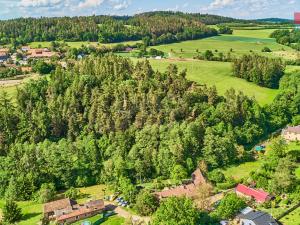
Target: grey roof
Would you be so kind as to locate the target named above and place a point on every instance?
(259, 218)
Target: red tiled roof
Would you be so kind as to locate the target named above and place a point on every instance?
(94, 206)
(258, 195)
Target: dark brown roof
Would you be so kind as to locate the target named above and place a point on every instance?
(59, 204)
(93, 207)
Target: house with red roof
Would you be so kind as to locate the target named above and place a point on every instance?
(258, 195)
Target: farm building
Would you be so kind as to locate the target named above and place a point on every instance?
(259, 196)
(68, 211)
(291, 133)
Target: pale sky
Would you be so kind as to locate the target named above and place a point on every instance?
(248, 9)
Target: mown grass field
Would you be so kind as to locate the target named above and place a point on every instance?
(240, 45)
(32, 211)
(218, 74)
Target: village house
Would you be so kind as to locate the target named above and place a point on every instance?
(188, 190)
(291, 133)
(40, 53)
(68, 211)
(253, 217)
(3, 56)
(258, 195)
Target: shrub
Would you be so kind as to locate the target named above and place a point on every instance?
(146, 203)
(72, 193)
(11, 212)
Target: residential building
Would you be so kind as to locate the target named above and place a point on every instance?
(291, 133)
(258, 195)
(189, 189)
(40, 53)
(3, 56)
(256, 218)
(68, 211)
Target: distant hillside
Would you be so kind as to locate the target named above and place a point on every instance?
(275, 20)
(207, 19)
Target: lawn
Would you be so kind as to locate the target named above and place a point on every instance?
(292, 219)
(243, 170)
(32, 211)
(218, 74)
(96, 220)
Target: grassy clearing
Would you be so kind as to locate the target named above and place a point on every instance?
(32, 211)
(243, 170)
(218, 74)
(292, 219)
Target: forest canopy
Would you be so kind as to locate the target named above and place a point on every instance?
(160, 27)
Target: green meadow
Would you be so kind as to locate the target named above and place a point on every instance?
(237, 45)
(218, 74)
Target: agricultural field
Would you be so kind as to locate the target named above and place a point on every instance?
(218, 74)
(242, 41)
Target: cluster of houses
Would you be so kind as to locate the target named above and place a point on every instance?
(66, 211)
(27, 53)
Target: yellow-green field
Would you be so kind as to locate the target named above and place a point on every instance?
(262, 33)
(218, 74)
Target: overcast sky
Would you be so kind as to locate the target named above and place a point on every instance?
(248, 9)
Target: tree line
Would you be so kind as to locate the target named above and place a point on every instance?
(288, 37)
(261, 70)
(160, 28)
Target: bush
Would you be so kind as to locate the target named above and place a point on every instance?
(72, 193)
(216, 176)
(46, 193)
(266, 49)
(230, 205)
(146, 203)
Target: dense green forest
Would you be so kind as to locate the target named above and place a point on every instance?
(261, 70)
(160, 27)
(108, 120)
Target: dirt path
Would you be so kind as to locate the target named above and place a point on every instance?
(18, 80)
(135, 219)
